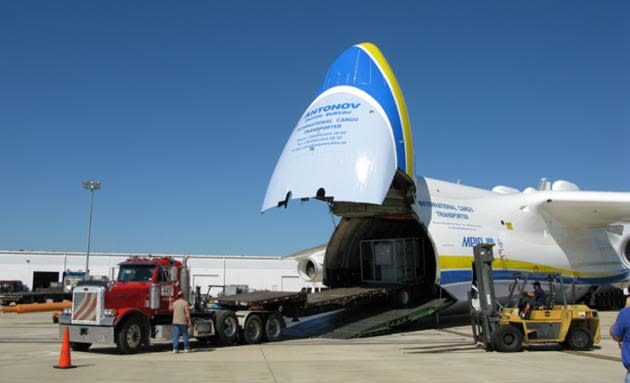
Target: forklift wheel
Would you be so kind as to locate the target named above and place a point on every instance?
(507, 339)
(580, 338)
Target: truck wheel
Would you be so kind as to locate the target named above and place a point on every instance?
(253, 329)
(273, 327)
(79, 346)
(227, 327)
(507, 338)
(580, 338)
(129, 339)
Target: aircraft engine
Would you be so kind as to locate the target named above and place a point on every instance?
(311, 268)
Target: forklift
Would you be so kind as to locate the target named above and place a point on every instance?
(504, 329)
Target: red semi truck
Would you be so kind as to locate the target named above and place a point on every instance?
(135, 308)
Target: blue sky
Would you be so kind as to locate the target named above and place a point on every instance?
(181, 109)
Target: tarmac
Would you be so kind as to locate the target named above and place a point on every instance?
(29, 347)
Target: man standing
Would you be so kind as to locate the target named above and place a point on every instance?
(181, 321)
(620, 332)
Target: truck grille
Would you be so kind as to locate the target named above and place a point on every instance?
(87, 304)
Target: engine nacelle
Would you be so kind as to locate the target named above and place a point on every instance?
(311, 268)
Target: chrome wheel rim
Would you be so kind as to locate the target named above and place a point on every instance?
(253, 330)
(134, 334)
(274, 328)
(230, 326)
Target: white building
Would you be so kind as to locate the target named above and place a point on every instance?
(39, 268)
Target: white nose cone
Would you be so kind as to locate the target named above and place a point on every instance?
(351, 139)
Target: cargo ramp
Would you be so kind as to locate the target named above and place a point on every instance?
(389, 319)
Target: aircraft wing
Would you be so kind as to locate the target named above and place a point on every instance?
(586, 209)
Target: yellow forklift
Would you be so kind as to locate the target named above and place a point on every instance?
(504, 329)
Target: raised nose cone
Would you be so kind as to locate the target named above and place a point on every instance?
(351, 139)
(364, 67)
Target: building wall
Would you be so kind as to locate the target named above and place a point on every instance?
(260, 273)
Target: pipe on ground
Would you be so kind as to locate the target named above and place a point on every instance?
(37, 307)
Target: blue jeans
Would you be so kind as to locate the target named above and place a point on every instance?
(627, 376)
(180, 329)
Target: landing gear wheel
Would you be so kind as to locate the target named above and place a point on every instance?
(507, 338)
(273, 327)
(79, 346)
(227, 327)
(580, 338)
(129, 339)
(253, 329)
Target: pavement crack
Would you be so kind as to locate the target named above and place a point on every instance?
(268, 365)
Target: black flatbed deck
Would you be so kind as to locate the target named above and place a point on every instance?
(297, 304)
(34, 297)
(261, 298)
(342, 297)
(348, 294)
(290, 303)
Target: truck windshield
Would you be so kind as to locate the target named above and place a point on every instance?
(135, 273)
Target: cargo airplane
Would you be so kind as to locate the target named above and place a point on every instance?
(352, 148)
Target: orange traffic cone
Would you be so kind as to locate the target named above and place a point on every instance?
(64, 357)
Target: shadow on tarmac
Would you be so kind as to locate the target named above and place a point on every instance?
(153, 348)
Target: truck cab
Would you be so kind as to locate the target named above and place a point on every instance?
(147, 285)
(128, 311)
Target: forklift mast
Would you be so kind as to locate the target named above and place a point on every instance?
(484, 310)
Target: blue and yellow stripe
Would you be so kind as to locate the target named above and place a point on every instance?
(364, 67)
(457, 269)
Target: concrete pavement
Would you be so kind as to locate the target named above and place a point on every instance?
(29, 348)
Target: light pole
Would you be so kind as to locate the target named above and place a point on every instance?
(91, 186)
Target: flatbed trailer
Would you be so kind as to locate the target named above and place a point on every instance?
(334, 299)
(56, 295)
(289, 303)
(300, 304)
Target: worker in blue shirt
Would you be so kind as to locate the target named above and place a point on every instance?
(620, 332)
(535, 300)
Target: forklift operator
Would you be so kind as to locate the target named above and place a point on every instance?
(534, 299)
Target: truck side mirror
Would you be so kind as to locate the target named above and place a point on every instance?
(173, 274)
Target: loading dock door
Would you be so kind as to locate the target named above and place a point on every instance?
(42, 279)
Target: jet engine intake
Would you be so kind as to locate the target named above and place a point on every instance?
(311, 268)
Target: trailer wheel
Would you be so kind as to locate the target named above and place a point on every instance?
(273, 327)
(507, 338)
(227, 327)
(253, 329)
(79, 346)
(129, 339)
(401, 298)
(580, 338)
